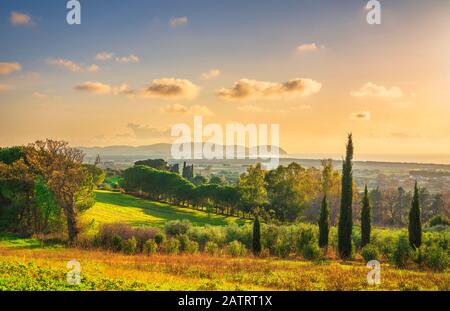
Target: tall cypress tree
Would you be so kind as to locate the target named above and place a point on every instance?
(365, 219)
(415, 224)
(324, 223)
(256, 236)
(345, 216)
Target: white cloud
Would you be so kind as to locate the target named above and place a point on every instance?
(194, 110)
(373, 90)
(308, 47)
(94, 87)
(213, 73)
(170, 88)
(102, 56)
(178, 21)
(362, 115)
(7, 68)
(252, 89)
(20, 19)
(72, 66)
(128, 59)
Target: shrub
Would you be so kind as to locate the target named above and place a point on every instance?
(403, 252)
(370, 252)
(437, 259)
(235, 249)
(116, 243)
(311, 251)
(211, 248)
(282, 247)
(439, 220)
(177, 227)
(306, 237)
(150, 247)
(159, 238)
(184, 241)
(130, 246)
(171, 246)
(191, 247)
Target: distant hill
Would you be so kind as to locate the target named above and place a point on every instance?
(162, 150)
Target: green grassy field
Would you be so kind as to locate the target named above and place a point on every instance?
(118, 207)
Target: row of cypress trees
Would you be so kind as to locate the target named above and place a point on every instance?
(345, 218)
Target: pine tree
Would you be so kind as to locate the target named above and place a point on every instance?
(256, 236)
(324, 223)
(345, 216)
(365, 219)
(415, 224)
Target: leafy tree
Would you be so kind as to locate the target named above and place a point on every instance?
(218, 180)
(157, 164)
(98, 175)
(256, 236)
(345, 216)
(252, 188)
(10, 155)
(324, 223)
(415, 223)
(62, 169)
(365, 219)
(199, 180)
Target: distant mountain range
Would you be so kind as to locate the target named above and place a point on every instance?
(162, 150)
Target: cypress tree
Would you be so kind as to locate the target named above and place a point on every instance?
(324, 223)
(365, 219)
(256, 236)
(345, 216)
(415, 224)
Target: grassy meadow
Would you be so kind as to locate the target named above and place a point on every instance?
(29, 264)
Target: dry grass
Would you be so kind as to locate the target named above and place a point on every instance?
(105, 270)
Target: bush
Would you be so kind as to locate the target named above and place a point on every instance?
(370, 252)
(211, 248)
(116, 243)
(235, 249)
(171, 246)
(439, 220)
(282, 247)
(177, 227)
(191, 247)
(130, 246)
(306, 237)
(311, 251)
(403, 252)
(150, 247)
(437, 259)
(159, 238)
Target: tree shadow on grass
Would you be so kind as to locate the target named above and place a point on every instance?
(164, 212)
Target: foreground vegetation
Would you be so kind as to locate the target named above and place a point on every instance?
(45, 269)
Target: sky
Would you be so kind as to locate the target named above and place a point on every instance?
(132, 69)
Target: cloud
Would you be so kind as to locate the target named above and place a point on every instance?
(170, 88)
(213, 73)
(252, 89)
(94, 87)
(308, 47)
(40, 96)
(250, 108)
(373, 90)
(402, 135)
(102, 56)
(194, 110)
(362, 115)
(72, 66)
(128, 59)
(146, 132)
(7, 68)
(5, 87)
(20, 19)
(178, 21)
